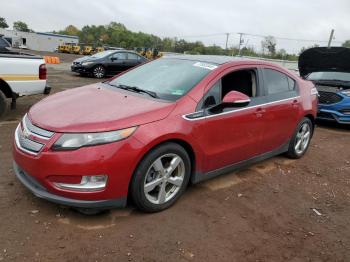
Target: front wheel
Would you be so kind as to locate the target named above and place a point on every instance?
(161, 178)
(301, 139)
(99, 71)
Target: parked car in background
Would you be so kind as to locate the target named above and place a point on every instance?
(147, 132)
(110, 62)
(20, 75)
(329, 69)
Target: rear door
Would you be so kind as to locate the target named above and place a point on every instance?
(281, 110)
(133, 60)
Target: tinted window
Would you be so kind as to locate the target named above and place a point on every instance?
(276, 82)
(132, 56)
(120, 56)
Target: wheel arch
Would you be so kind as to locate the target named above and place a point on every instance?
(5, 88)
(182, 142)
(312, 119)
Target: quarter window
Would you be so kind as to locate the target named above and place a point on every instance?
(276, 82)
(291, 83)
(213, 97)
(133, 56)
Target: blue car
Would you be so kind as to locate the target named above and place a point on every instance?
(329, 69)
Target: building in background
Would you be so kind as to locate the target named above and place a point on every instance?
(37, 41)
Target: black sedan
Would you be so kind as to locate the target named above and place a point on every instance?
(106, 63)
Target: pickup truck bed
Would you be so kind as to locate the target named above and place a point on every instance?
(20, 74)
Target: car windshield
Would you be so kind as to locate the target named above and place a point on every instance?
(339, 76)
(103, 54)
(169, 78)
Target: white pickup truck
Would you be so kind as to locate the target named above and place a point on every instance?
(20, 75)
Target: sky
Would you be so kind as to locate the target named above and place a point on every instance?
(193, 20)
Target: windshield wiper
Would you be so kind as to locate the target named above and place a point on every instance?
(136, 89)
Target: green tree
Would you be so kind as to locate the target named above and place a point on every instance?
(70, 30)
(21, 26)
(3, 23)
(346, 43)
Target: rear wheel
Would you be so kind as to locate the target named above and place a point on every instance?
(301, 139)
(3, 104)
(99, 71)
(161, 178)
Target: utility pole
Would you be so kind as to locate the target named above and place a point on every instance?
(227, 36)
(240, 43)
(331, 38)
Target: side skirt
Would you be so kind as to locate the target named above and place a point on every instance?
(199, 177)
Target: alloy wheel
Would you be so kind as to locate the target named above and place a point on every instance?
(99, 72)
(302, 139)
(164, 178)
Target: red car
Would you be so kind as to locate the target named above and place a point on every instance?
(147, 133)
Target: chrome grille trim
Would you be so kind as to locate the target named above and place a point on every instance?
(34, 130)
(25, 144)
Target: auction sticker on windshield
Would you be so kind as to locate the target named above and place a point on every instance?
(205, 65)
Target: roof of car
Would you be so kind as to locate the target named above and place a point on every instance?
(213, 59)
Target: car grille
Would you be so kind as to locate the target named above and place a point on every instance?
(27, 136)
(329, 97)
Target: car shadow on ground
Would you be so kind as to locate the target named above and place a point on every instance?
(332, 125)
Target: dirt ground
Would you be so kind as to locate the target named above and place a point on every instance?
(277, 210)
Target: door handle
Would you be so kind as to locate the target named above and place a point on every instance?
(295, 103)
(259, 112)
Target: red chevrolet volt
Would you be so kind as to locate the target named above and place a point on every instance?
(149, 132)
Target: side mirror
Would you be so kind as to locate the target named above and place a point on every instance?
(235, 99)
(114, 58)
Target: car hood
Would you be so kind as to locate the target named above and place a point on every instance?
(323, 59)
(97, 108)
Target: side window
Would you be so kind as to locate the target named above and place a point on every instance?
(276, 82)
(244, 81)
(120, 56)
(132, 56)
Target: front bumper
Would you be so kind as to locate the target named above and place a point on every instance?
(335, 113)
(38, 190)
(80, 69)
(38, 170)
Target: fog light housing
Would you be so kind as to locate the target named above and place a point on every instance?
(87, 184)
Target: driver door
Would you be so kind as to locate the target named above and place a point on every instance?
(232, 135)
(118, 62)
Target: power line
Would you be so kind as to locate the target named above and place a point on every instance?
(258, 35)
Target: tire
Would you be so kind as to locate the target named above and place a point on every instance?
(99, 71)
(302, 135)
(160, 178)
(3, 104)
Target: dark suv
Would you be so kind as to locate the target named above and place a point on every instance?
(106, 63)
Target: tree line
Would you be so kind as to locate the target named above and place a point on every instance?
(116, 34)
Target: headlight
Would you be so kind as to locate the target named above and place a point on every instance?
(346, 92)
(86, 63)
(77, 140)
